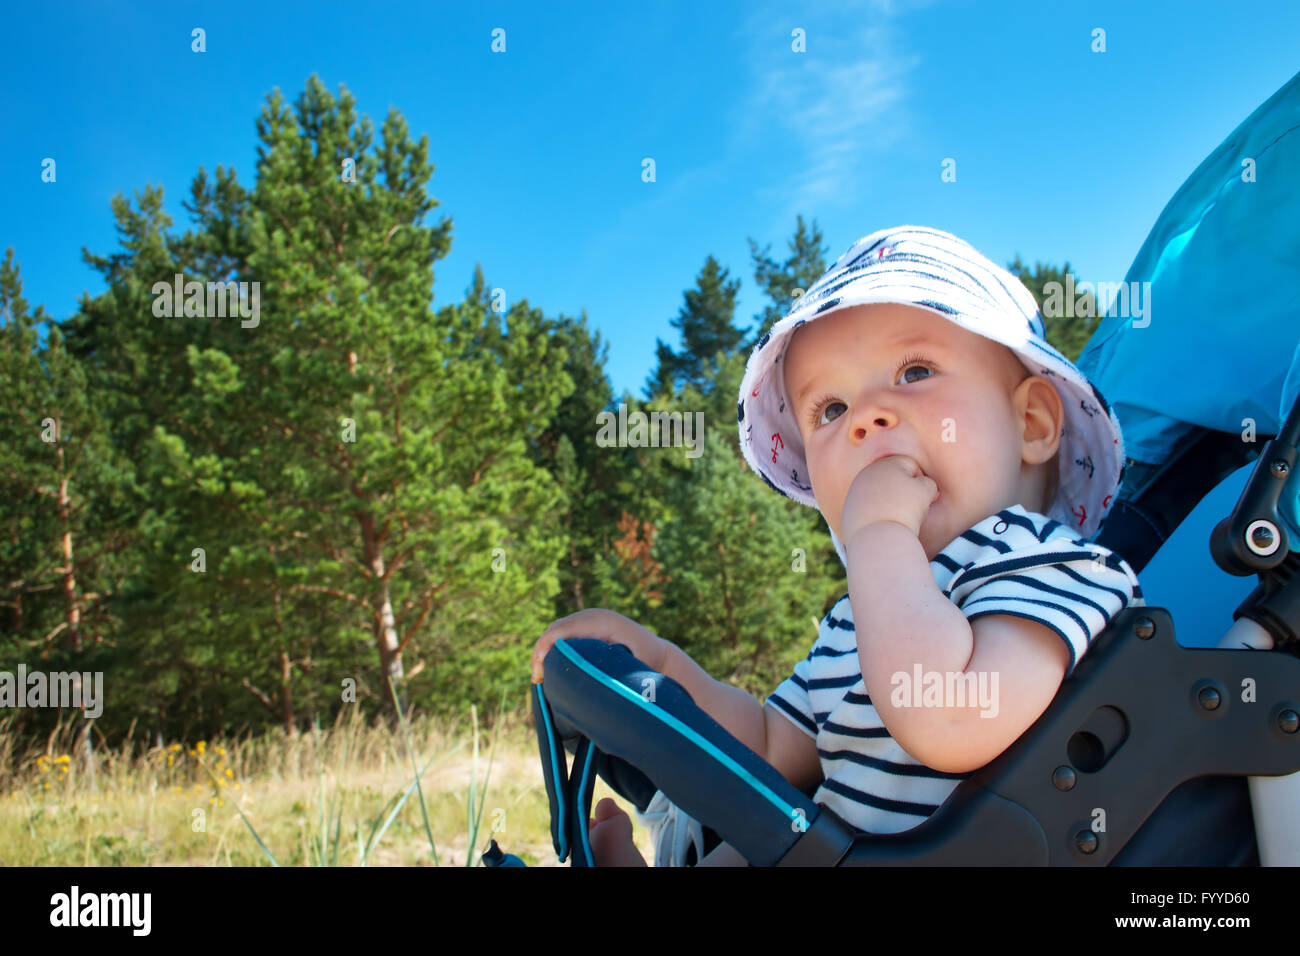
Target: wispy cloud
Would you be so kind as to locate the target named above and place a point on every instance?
(836, 108)
(830, 114)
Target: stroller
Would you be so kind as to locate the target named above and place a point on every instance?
(1148, 740)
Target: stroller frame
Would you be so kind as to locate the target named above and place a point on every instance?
(1145, 742)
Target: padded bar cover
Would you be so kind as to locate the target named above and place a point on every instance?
(554, 770)
(825, 844)
(578, 798)
(599, 690)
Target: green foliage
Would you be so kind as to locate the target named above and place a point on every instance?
(354, 468)
(745, 572)
(599, 484)
(783, 283)
(705, 323)
(358, 497)
(64, 491)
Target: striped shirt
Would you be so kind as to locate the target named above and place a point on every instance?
(1015, 562)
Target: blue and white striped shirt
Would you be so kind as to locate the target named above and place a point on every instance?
(1015, 562)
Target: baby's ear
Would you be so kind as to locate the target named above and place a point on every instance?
(1042, 415)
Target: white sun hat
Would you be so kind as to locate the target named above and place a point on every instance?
(930, 269)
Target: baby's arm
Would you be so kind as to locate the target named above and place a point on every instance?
(903, 621)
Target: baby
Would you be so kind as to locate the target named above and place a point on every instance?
(962, 465)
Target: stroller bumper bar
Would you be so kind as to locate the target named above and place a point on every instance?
(1140, 715)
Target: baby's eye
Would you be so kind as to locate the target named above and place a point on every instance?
(911, 362)
(913, 365)
(821, 409)
(815, 419)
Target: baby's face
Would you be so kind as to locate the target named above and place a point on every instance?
(869, 381)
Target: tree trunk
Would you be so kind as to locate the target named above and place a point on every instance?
(286, 692)
(72, 613)
(286, 696)
(578, 602)
(88, 751)
(385, 627)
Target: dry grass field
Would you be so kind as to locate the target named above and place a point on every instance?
(339, 796)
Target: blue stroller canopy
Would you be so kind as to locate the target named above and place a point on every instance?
(1223, 263)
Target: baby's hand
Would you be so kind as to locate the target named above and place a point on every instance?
(891, 489)
(605, 625)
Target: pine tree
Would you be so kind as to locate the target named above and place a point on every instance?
(354, 466)
(746, 568)
(662, 382)
(445, 540)
(783, 283)
(61, 482)
(705, 324)
(628, 485)
(598, 482)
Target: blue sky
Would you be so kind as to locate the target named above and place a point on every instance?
(1061, 153)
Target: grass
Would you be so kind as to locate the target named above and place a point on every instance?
(353, 794)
